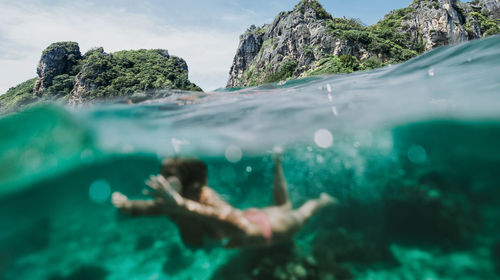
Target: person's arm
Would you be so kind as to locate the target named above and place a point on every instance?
(138, 207)
(227, 218)
(280, 191)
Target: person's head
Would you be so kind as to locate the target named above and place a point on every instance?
(191, 172)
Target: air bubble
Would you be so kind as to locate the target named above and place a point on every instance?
(334, 111)
(417, 154)
(323, 138)
(328, 87)
(233, 153)
(431, 72)
(99, 191)
(320, 159)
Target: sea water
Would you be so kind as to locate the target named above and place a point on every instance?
(412, 152)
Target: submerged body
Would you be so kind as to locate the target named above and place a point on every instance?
(200, 212)
(415, 157)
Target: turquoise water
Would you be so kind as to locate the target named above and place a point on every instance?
(410, 150)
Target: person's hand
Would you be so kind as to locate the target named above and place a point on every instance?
(119, 200)
(161, 188)
(277, 153)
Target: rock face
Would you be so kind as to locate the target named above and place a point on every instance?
(491, 6)
(444, 22)
(298, 37)
(64, 75)
(308, 41)
(84, 83)
(437, 23)
(58, 58)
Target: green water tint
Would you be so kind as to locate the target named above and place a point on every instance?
(418, 202)
(38, 143)
(411, 151)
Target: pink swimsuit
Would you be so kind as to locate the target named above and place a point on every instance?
(261, 219)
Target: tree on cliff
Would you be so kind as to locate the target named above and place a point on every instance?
(64, 75)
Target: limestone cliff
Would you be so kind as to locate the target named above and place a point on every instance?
(288, 46)
(308, 40)
(436, 23)
(490, 7)
(482, 17)
(442, 22)
(64, 75)
(57, 59)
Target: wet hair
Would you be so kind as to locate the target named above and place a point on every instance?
(188, 170)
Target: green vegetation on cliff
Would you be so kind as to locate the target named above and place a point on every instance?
(316, 6)
(22, 95)
(64, 72)
(384, 42)
(73, 58)
(390, 27)
(343, 64)
(68, 46)
(381, 38)
(19, 95)
(126, 72)
(284, 71)
(488, 26)
(321, 44)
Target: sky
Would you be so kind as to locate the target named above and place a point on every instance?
(203, 32)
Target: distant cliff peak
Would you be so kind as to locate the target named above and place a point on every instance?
(309, 41)
(58, 58)
(312, 7)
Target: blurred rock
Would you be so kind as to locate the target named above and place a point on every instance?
(178, 259)
(424, 215)
(144, 242)
(496, 257)
(337, 251)
(27, 241)
(277, 262)
(87, 272)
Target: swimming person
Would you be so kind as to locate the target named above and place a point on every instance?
(181, 193)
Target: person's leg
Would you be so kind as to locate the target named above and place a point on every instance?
(280, 191)
(286, 223)
(308, 209)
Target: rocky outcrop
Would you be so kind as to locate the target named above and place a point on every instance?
(436, 23)
(124, 73)
(491, 7)
(443, 22)
(294, 40)
(482, 17)
(58, 58)
(250, 45)
(64, 75)
(308, 41)
(84, 83)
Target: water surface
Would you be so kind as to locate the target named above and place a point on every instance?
(410, 150)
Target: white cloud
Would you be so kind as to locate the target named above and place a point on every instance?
(26, 29)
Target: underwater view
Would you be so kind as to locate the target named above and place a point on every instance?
(411, 152)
